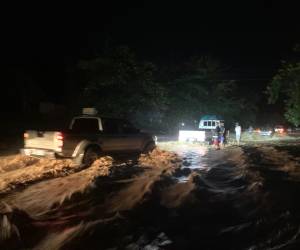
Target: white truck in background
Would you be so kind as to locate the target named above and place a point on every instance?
(204, 131)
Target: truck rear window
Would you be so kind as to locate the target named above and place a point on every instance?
(89, 125)
(111, 126)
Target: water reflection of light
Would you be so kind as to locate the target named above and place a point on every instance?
(193, 159)
(193, 155)
(183, 178)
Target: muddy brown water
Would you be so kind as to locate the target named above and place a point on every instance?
(238, 198)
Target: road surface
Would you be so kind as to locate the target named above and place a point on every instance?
(243, 197)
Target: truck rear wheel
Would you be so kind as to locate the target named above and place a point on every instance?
(90, 155)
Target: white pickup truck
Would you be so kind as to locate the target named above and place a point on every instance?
(88, 137)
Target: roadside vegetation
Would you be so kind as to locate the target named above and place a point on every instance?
(285, 87)
(154, 96)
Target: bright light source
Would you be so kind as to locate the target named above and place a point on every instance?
(191, 135)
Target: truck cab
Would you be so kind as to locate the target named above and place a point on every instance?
(210, 122)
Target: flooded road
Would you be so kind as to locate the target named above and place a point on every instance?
(238, 198)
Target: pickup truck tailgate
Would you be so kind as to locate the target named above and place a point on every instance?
(49, 140)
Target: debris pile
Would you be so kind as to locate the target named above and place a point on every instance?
(14, 162)
(28, 170)
(160, 159)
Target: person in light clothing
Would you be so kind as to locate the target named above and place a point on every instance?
(238, 131)
(222, 135)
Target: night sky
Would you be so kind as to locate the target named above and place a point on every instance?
(250, 38)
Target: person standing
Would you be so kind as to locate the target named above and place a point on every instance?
(217, 137)
(222, 134)
(250, 129)
(238, 131)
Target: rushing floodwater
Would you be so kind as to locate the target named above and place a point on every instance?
(238, 198)
(248, 199)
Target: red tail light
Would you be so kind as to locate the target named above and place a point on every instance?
(60, 141)
(59, 136)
